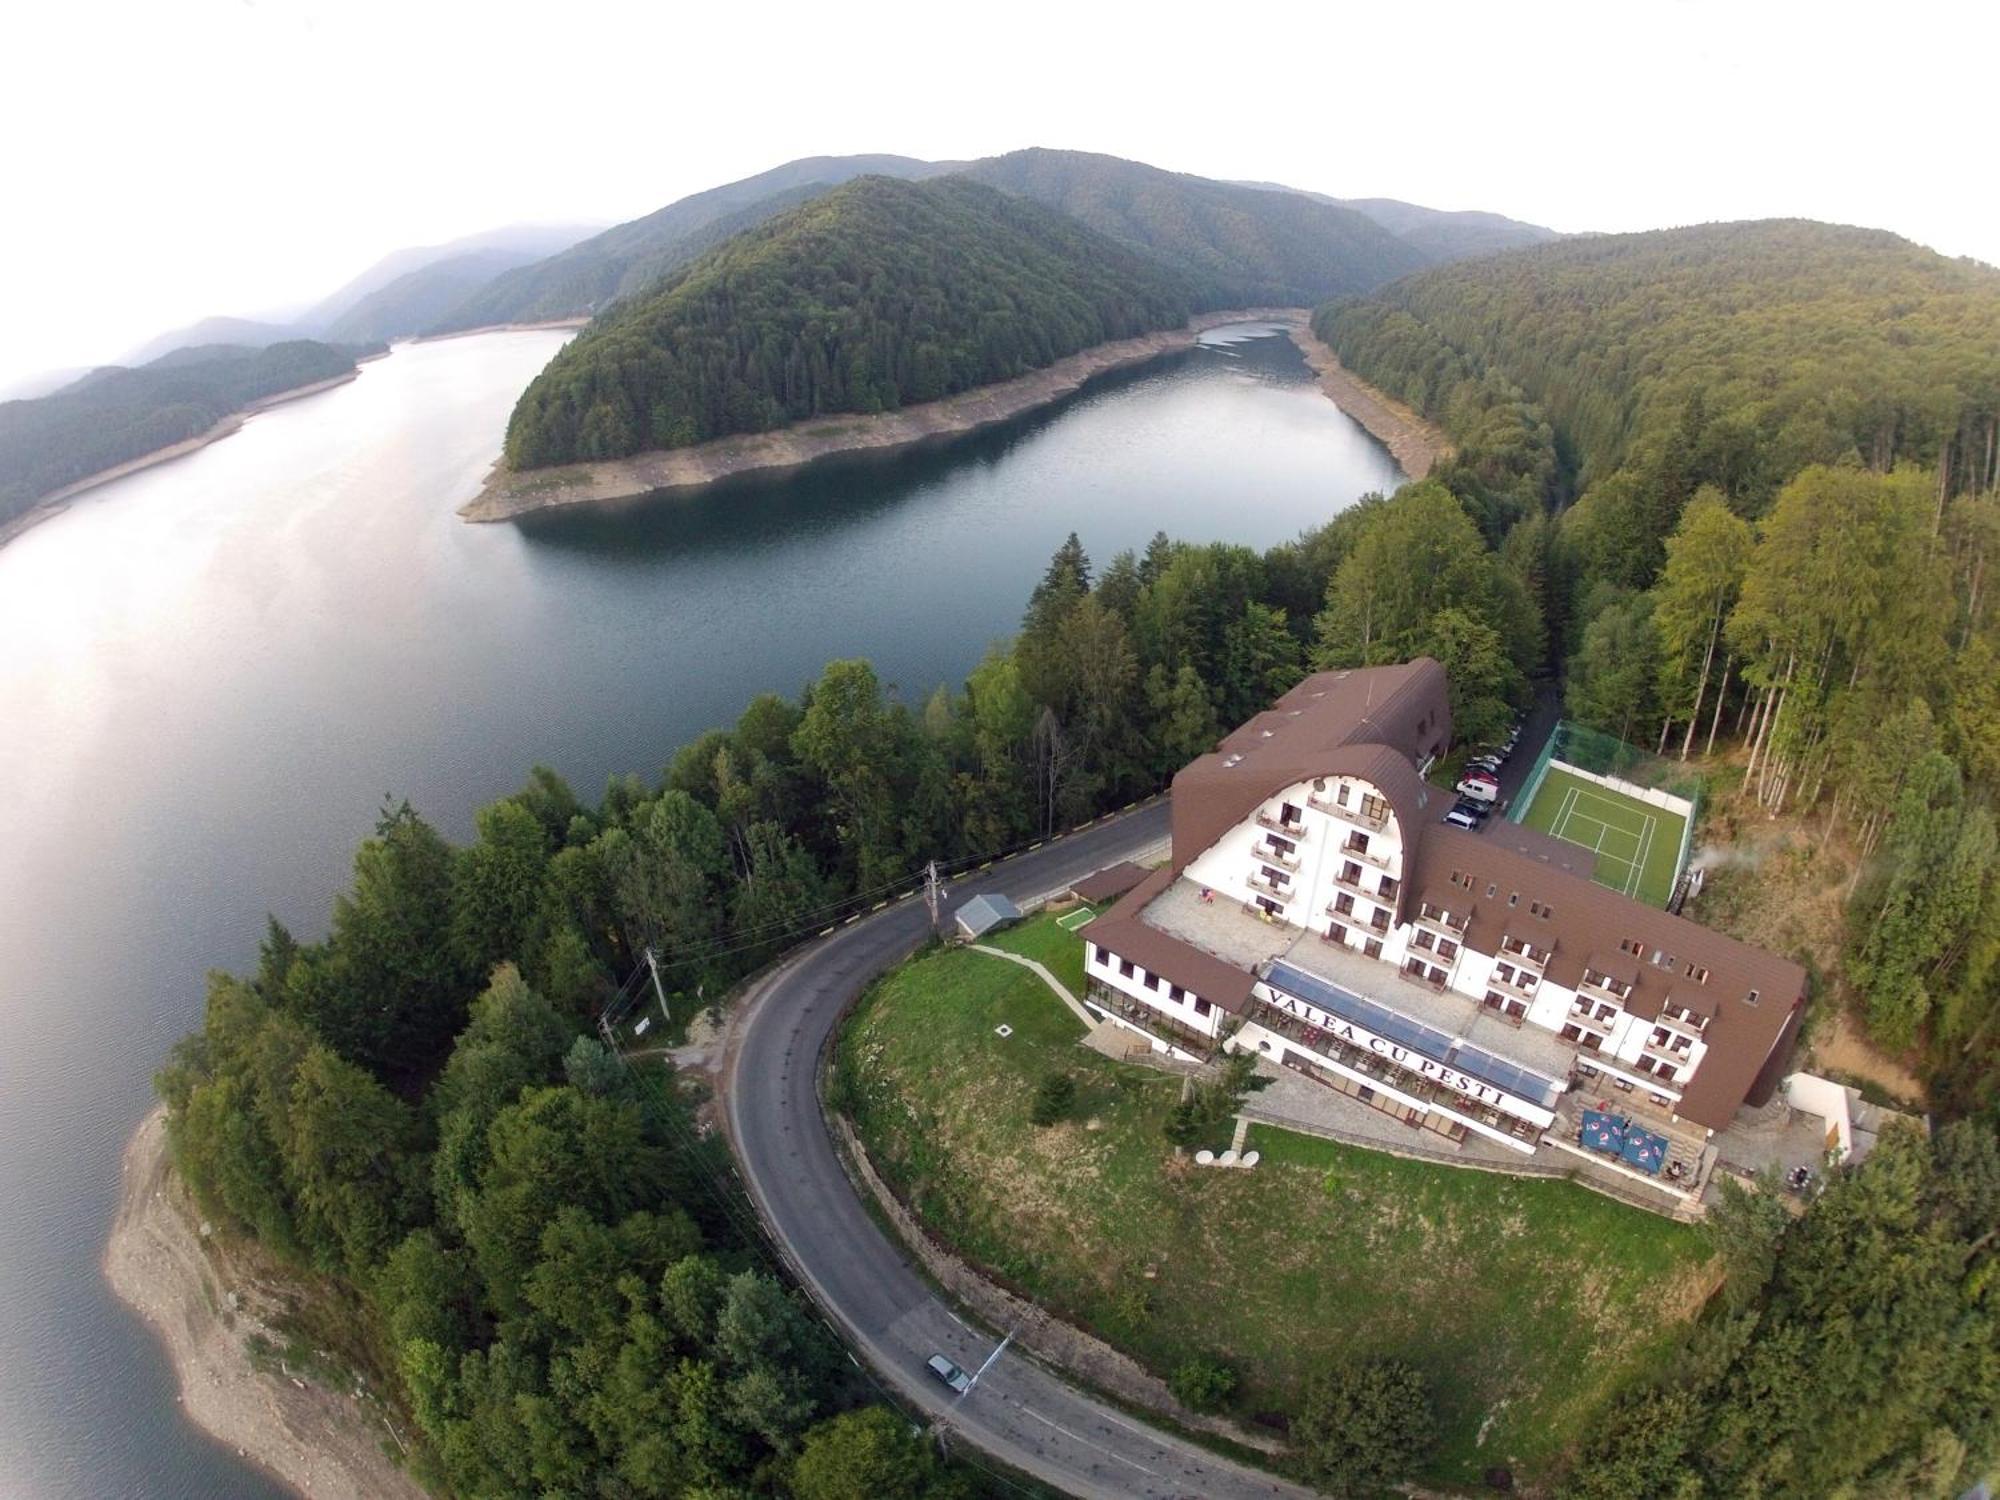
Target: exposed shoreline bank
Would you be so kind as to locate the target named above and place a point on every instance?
(507, 495)
(318, 1442)
(466, 333)
(56, 501)
(1417, 443)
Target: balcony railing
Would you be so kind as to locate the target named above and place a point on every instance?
(1450, 921)
(1277, 824)
(1340, 878)
(1374, 821)
(1527, 952)
(1379, 858)
(1270, 887)
(1515, 987)
(1266, 852)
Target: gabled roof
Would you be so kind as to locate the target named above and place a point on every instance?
(985, 912)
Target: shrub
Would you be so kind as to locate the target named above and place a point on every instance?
(1201, 1383)
(1053, 1098)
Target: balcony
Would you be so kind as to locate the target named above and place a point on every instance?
(1515, 987)
(1380, 858)
(1599, 987)
(1270, 887)
(1340, 878)
(1267, 853)
(1514, 948)
(1449, 921)
(1277, 824)
(1373, 819)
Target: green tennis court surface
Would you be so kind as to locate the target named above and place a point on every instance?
(1637, 844)
(1075, 919)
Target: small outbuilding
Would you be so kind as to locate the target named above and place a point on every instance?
(1108, 884)
(982, 914)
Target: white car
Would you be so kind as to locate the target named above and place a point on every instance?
(1458, 817)
(1479, 791)
(950, 1374)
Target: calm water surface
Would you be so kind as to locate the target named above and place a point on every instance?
(211, 674)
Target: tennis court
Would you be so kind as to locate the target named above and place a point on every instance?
(1637, 844)
(1076, 919)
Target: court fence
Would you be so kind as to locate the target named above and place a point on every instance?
(1610, 762)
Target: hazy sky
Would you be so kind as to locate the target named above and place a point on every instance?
(168, 159)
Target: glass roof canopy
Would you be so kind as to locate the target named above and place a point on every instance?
(1426, 1041)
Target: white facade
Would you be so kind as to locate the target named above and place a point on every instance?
(1327, 856)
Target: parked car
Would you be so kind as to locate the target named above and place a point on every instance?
(1478, 810)
(950, 1374)
(1458, 817)
(1479, 791)
(1490, 763)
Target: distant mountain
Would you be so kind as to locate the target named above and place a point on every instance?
(519, 243)
(241, 333)
(1238, 245)
(1447, 235)
(876, 294)
(589, 276)
(113, 415)
(414, 301)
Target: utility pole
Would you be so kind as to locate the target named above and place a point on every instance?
(653, 968)
(999, 1349)
(933, 893)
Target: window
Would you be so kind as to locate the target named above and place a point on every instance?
(1751, 998)
(1276, 877)
(1660, 1035)
(1568, 1034)
(1697, 973)
(1492, 888)
(1447, 949)
(1175, 993)
(1683, 1044)
(1592, 1041)
(1372, 948)
(1341, 797)
(1270, 907)
(1096, 953)
(1504, 973)
(1344, 904)
(1350, 872)
(1358, 842)
(1645, 1065)
(1289, 812)
(1337, 932)
(1202, 1007)
(1662, 1100)
(1390, 885)
(1380, 921)
(1125, 967)
(1278, 845)
(1606, 1012)
(1665, 1073)
(1152, 980)
(1513, 898)
(1422, 939)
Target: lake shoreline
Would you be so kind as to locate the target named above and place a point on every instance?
(162, 1263)
(1417, 443)
(466, 333)
(506, 495)
(57, 501)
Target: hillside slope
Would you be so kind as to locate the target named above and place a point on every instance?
(877, 294)
(414, 301)
(1739, 352)
(116, 415)
(1450, 234)
(1237, 246)
(588, 276)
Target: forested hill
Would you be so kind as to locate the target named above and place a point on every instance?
(115, 415)
(878, 294)
(587, 277)
(1239, 246)
(1765, 346)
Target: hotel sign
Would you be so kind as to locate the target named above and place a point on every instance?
(1409, 1060)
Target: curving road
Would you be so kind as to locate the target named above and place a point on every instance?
(1019, 1413)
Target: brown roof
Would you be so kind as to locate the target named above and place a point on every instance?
(1585, 919)
(1109, 883)
(1177, 960)
(1372, 723)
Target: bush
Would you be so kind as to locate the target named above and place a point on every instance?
(1362, 1425)
(1201, 1383)
(1054, 1096)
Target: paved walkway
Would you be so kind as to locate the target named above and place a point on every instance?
(1061, 989)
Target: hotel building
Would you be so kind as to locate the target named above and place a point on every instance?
(1470, 983)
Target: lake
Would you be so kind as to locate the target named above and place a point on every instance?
(214, 671)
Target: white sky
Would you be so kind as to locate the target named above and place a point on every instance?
(167, 159)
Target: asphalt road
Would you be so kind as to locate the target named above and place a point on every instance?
(1018, 1412)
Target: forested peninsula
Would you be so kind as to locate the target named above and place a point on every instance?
(114, 421)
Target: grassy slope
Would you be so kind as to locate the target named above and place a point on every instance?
(1523, 1300)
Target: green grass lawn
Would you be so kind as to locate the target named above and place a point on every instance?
(1637, 845)
(1524, 1300)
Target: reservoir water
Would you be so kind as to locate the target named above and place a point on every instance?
(212, 672)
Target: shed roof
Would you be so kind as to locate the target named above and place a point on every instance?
(985, 912)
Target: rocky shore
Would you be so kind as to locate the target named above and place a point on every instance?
(206, 1309)
(507, 494)
(1417, 443)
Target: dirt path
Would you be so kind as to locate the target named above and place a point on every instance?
(1839, 1048)
(318, 1442)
